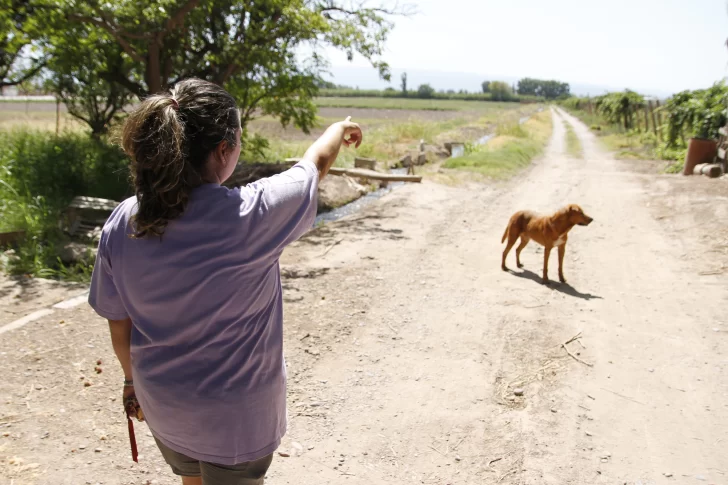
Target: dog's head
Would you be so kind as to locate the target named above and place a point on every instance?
(577, 216)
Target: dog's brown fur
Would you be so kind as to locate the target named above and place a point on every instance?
(548, 231)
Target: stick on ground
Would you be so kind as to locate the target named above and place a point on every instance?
(331, 246)
(564, 346)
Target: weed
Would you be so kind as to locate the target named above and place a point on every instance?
(573, 145)
(512, 149)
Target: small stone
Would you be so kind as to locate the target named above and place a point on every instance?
(98, 450)
(700, 477)
(6, 434)
(554, 410)
(518, 392)
(103, 438)
(605, 460)
(87, 384)
(98, 362)
(457, 457)
(588, 433)
(310, 447)
(297, 446)
(284, 454)
(82, 447)
(667, 474)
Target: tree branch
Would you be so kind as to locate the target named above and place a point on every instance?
(110, 29)
(134, 88)
(178, 18)
(27, 75)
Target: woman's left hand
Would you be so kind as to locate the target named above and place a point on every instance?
(135, 410)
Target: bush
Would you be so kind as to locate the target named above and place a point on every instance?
(695, 114)
(500, 91)
(39, 175)
(58, 168)
(425, 91)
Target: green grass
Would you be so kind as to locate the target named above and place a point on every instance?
(388, 139)
(573, 145)
(511, 150)
(629, 145)
(413, 104)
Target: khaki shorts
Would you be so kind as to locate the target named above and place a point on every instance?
(249, 473)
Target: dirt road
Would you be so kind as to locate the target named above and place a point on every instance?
(405, 343)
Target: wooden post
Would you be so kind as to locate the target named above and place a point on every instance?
(654, 123)
(659, 117)
(647, 119)
(58, 115)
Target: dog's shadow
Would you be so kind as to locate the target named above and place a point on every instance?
(564, 288)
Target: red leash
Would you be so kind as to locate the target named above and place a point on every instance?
(132, 439)
(132, 408)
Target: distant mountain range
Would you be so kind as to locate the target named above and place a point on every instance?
(367, 78)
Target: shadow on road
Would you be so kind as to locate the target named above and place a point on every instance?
(564, 288)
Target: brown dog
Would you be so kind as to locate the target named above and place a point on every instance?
(548, 231)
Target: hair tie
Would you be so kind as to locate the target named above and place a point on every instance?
(175, 104)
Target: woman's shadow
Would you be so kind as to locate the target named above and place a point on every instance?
(564, 288)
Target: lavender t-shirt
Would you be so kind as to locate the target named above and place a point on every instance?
(207, 313)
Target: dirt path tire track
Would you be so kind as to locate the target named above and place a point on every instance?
(405, 342)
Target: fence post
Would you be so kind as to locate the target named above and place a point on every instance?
(647, 119)
(58, 115)
(654, 124)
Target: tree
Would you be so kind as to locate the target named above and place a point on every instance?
(250, 48)
(486, 86)
(425, 91)
(528, 86)
(18, 61)
(620, 107)
(404, 84)
(539, 87)
(500, 91)
(78, 63)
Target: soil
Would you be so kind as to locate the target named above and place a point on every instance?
(413, 358)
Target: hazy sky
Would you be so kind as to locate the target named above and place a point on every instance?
(662, 45)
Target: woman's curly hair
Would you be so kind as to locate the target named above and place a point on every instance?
(169, 138)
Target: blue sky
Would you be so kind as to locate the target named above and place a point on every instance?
(652, 46)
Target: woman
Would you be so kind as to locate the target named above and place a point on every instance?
(187, 275)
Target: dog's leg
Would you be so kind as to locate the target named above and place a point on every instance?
(511, 241)
(524, 241)
(546, 253)
(562, 251)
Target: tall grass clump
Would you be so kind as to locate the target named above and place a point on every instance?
(513, 148)
(40, 173)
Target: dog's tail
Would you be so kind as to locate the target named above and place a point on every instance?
(505, 234)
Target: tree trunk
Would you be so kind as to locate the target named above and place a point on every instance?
(154, 71)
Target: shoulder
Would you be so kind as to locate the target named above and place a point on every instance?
(118, 221)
